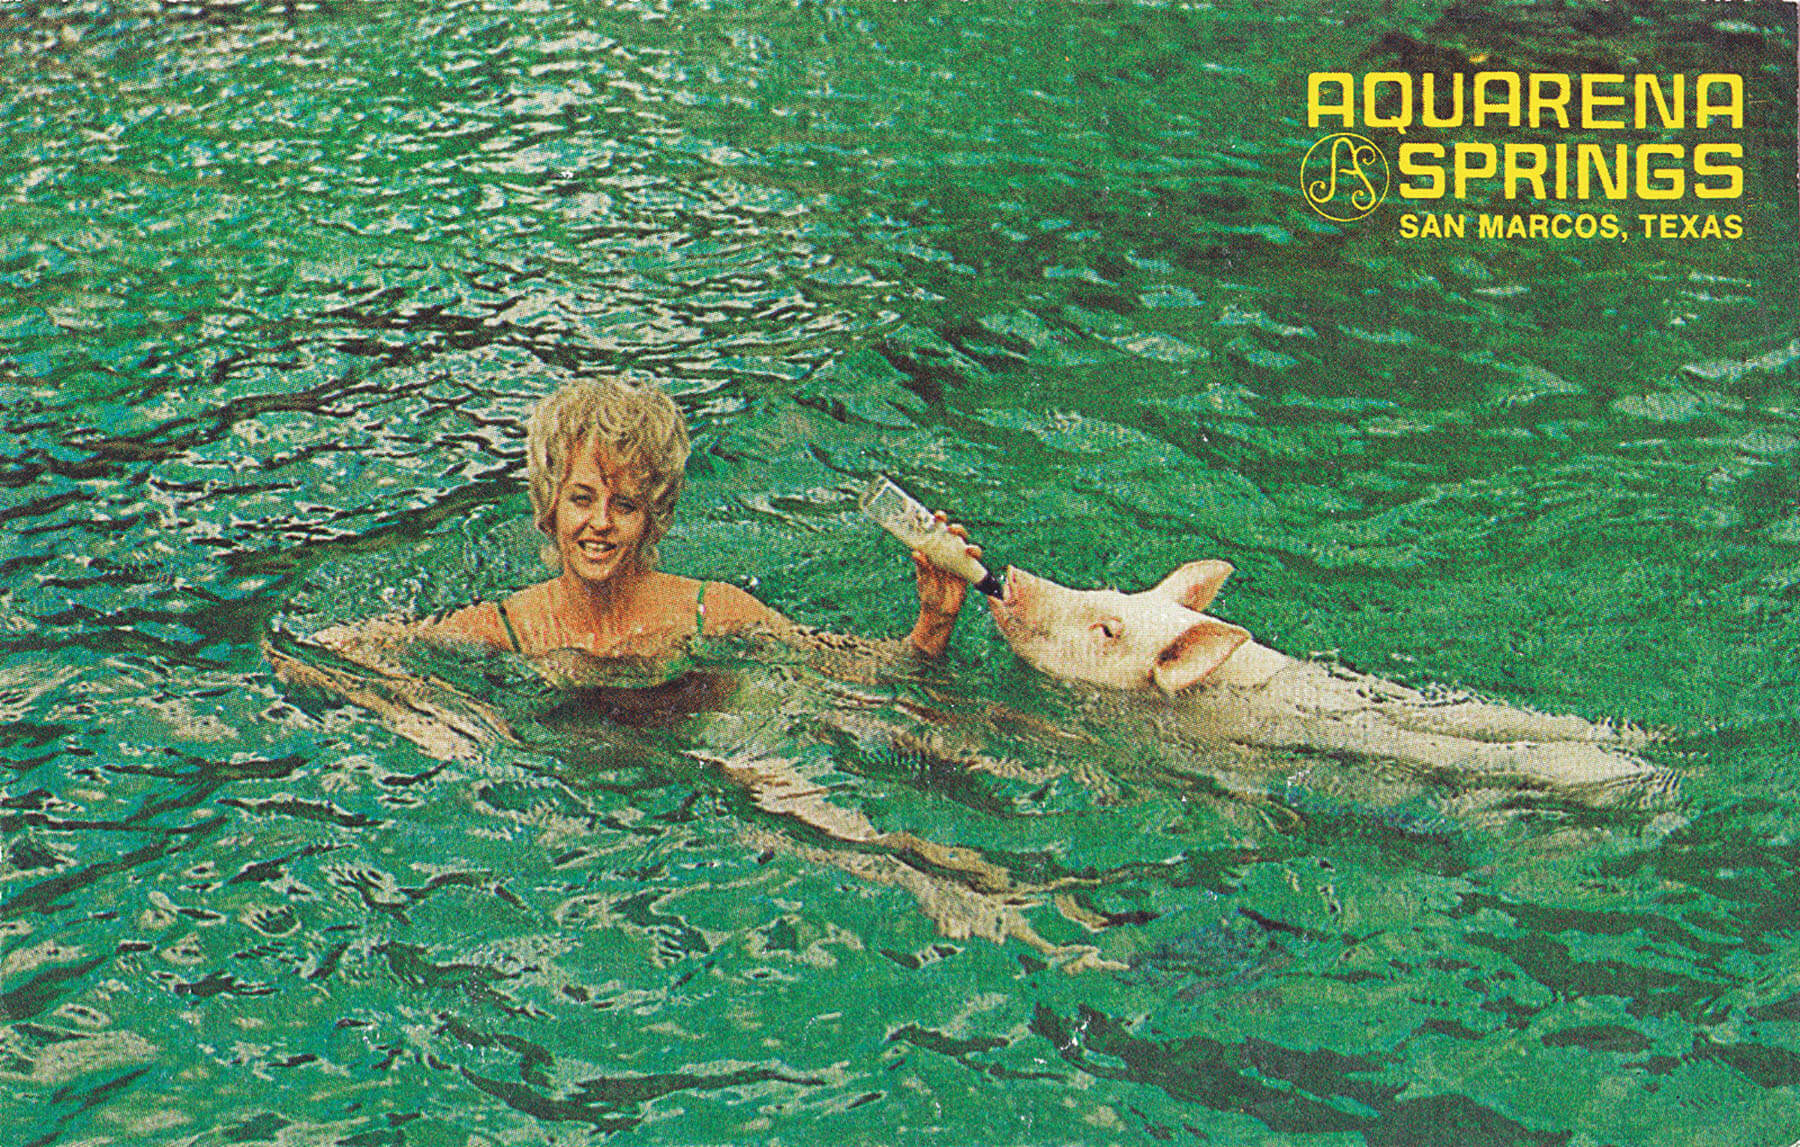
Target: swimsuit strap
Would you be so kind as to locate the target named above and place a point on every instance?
(511, 633)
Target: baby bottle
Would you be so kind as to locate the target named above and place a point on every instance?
(905, 517)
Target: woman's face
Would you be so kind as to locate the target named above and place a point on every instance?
(600, 518)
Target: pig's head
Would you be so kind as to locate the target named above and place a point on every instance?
(1157, 639)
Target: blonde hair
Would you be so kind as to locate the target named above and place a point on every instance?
(634, 425)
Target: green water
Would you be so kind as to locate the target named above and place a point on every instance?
(279, 283)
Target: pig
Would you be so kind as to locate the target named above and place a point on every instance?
(1219, 684)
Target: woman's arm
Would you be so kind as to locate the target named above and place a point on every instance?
(730, 609)
(362, 663)
(941, 597)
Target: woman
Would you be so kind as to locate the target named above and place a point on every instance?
(605, 459)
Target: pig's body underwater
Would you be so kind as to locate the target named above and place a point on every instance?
(1224, 686)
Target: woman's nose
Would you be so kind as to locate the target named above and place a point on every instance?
(600, 516)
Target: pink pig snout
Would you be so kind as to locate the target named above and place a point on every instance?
(1015, 603)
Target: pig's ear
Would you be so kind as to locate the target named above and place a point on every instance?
(1195, 584)
(1197, 652)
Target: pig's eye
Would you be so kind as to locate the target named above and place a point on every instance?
(1109, 628)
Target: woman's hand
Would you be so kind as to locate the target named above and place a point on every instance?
(940, 597)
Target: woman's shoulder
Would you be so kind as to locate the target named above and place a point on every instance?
(533, 598)
(492, 623)
(729, 609)
(480, 623)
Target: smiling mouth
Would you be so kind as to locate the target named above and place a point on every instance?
(596, 551)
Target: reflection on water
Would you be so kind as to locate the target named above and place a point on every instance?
(282, 281)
